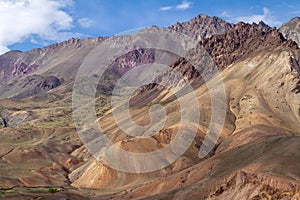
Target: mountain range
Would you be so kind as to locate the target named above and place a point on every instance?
(257, 155)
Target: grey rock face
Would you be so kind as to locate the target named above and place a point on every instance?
(291, 30)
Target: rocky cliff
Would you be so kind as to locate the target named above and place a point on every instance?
(291, 30)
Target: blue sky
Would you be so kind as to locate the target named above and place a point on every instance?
(26, 24)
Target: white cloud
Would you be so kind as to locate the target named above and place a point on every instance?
(3, 49)
(86, 22)
(267, 17)
(225, 14)
(36, 19)
(184, 5)
(165, 8)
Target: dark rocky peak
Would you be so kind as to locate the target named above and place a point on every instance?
(243, 39)
(202, 26)
(224, 49)
(262, 26)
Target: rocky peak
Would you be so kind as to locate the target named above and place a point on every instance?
(291, 30)
(202, 26)
(262, 26)
(294, 21)
(243, 39)
(225, 49)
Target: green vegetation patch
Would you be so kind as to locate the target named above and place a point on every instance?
(43, 190)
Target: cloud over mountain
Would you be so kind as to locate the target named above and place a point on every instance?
(34, 19)
(184, 5)
(267, 16)
(85, 22)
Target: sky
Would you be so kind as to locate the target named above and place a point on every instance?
(27, 24)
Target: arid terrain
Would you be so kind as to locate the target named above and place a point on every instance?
(257, 155)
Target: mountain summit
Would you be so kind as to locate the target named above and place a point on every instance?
(291, 29)
(202, 27)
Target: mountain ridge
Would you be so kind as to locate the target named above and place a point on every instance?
(256, 156)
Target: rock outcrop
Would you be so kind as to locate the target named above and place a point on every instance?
(242, 40)
(262, 26)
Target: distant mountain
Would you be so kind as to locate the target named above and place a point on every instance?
(62, 60)
(291, 29)
(57, 57)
